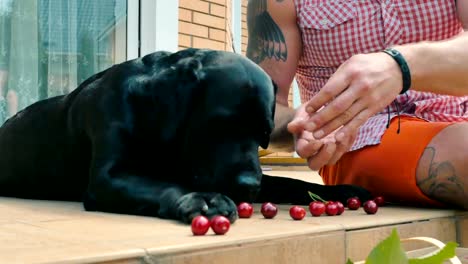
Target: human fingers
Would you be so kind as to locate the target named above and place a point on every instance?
(370, 79)
(307, 148)
(349, 131)
(341, 148)
(337, 83)
(296, 126)
(342, 119)
(322, 157)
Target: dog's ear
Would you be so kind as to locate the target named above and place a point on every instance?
(270, 123)
(185, 80)
(265, 140)
(273, 107)
(162, 100)
(275, 88)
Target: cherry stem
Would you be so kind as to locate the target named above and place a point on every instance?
(315, 197)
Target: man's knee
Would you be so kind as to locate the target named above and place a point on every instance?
(442, 172)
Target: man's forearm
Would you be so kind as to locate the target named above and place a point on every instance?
(440, 67)
(280, 138)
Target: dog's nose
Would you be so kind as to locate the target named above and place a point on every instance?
(247, 187)
(248, 181)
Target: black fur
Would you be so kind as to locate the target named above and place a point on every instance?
(172, 135)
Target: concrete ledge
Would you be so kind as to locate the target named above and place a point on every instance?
(62, 232)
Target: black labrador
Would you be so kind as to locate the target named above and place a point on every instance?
(172, 135)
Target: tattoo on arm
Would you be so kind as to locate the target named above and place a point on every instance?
(441, 180)
(266, 40)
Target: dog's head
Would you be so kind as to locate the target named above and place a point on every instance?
(228, 116)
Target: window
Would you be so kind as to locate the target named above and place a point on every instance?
(48, 47)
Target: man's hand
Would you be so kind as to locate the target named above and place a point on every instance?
(318, 152)
(361, 87)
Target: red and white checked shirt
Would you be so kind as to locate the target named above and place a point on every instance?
(334, 30)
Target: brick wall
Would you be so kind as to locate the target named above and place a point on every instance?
(244, 26)
(207, 24)
(203, 24)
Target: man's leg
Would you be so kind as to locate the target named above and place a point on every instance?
(389, 168)
(442, 172)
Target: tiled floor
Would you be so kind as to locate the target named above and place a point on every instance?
(61, 232)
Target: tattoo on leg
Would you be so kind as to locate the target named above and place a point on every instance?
(441, 180)
(266, 40)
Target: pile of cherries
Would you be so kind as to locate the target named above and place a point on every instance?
(220, 224)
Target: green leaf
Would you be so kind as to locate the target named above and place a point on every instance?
(312, 196)
(388, 251)
(349, 262)
(442, 255)
(315, 197)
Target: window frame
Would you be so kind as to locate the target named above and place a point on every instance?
(133, 32)
(236, 25)
(159, 26)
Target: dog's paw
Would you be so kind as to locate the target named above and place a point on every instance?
(208, 204)
(343, 192)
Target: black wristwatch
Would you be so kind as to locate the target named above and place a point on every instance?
(405, 71)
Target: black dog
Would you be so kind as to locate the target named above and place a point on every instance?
(172, 135)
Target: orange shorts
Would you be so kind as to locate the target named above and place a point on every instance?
(389, 169)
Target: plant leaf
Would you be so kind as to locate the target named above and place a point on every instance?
(315, 197)
(447, 252)
(388, 251)
(311, 196)
(349, 261)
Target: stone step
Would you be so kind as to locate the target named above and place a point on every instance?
(62, 232)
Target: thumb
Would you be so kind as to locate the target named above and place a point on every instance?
(296, 125)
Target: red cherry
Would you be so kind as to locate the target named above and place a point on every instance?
(316, 208)
(297, 212)
(379, 200)
(340, 208)
(370, 207)
(220, 225)
(269, 210)
(200, 225)
(331, 208)
(353, 203)
(245, 210)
